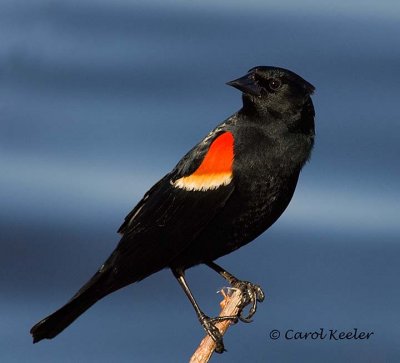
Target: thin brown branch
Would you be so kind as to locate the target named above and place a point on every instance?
(230, 307)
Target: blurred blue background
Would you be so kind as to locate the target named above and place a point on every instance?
(99, 99)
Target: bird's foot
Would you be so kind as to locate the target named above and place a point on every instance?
(210, 328)
(251, 294)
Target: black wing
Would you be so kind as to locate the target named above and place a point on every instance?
(167, 219)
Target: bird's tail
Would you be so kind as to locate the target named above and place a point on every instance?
(95, 289)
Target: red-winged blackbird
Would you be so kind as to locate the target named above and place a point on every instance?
(227, 190)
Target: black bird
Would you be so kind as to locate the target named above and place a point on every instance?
(226, 191)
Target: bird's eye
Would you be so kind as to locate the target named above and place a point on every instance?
(274, 84)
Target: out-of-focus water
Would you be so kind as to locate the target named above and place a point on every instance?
(100, 99)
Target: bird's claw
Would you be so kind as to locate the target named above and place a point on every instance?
(210, 328)
(251, 294)
(234, 319)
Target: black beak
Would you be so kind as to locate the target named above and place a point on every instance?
(246, 84)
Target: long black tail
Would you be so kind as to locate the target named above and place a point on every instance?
(95, 289)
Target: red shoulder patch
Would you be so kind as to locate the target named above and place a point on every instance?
(219, 157)
(215, 169)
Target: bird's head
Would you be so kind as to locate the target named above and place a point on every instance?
(273, 90)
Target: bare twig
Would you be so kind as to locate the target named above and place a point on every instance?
(230, 307)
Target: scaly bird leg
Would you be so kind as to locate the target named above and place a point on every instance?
(206, 322)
